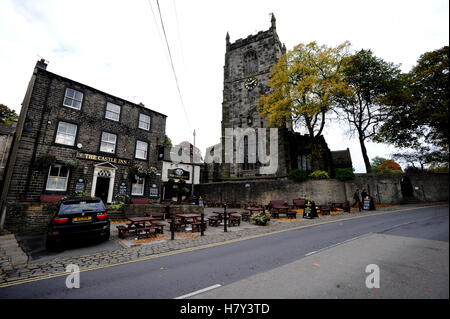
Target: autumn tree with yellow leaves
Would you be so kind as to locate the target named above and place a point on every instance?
(303, 85)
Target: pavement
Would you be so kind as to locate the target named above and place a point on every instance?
(14, 268)
(403, 265)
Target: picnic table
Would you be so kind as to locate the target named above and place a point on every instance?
(141, 226)
(276, 210)
(234, 218)
(189, 219)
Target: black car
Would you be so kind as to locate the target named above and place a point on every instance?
(77, 219)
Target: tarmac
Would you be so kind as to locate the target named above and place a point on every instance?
(16, 266)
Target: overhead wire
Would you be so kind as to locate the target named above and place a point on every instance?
(173, 67)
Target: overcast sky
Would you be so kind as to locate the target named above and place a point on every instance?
(118, 47)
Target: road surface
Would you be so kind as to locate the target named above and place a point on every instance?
(322, 261)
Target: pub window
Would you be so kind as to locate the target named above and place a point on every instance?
(66, 133)
(137, 188)
(141, 150)
(112, 111)
(73, 99)
(144, 122)
(250, 62)
(57, 178)
(108, 143)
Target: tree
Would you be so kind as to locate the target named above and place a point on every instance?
(303, 85)
(376, 162)
(419, 111)
(7, 115)
(371, 79)
(389, 166)
(419, 156)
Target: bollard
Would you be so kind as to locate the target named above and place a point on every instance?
(225, 218)
(202, 220)
(172, 223)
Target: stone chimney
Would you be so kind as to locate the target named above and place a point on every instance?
(42, 64)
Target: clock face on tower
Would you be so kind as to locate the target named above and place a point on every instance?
(250, 83)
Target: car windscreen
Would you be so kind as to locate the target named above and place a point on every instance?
(79, 207)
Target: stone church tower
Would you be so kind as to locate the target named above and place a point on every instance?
(248, 63)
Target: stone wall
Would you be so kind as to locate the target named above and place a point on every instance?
(385, 188)
(142, 210)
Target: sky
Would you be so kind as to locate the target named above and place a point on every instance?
(118, 47)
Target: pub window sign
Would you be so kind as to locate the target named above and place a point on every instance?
(178, 173)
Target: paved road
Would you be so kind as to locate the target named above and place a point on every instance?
(179, 274)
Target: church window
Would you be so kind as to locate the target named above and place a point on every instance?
(250, 62)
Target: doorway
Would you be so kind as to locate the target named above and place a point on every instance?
(102, 188)
(407, 188)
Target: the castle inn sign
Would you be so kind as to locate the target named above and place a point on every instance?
(100, 158)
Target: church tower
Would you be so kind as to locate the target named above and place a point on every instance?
(248, 63)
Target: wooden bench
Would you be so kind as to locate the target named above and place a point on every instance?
(196, 226)
(298, 203)
(146, 231)
(245, 216)
(125, 230)
(161, 216)
(291, 214)
(234, 220)
(325, 209)
(213, 221)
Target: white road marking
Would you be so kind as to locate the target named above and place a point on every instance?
(199, 291)
(334, 245)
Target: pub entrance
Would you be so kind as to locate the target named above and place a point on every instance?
(103, 181)
(102, 188)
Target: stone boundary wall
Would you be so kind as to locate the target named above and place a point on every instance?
(34, 217)
(385, 189)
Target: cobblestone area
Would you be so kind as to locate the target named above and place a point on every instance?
(10, 273)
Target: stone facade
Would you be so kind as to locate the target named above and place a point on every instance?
(46, 112)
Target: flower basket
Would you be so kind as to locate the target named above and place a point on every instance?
(73, 163)
(142, 172)
(45, 161)
(261, 218)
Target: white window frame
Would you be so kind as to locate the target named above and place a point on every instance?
(141, 149)
(109, 112)
(133, 190)
(148, 124)
(64, 135)
(49, 177)
(108, 142)
(73, 98)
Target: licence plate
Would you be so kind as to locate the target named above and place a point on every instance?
(82, 219)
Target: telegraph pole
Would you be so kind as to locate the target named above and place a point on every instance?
(193, 167)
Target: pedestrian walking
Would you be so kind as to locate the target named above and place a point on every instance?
(357, 199)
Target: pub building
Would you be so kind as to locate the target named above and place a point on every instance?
(72, 138)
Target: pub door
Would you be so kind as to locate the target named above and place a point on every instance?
(102, 188)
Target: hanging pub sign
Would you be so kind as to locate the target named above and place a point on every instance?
(178, 173)
(122, 189)
(154, 191)
(79, 186)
